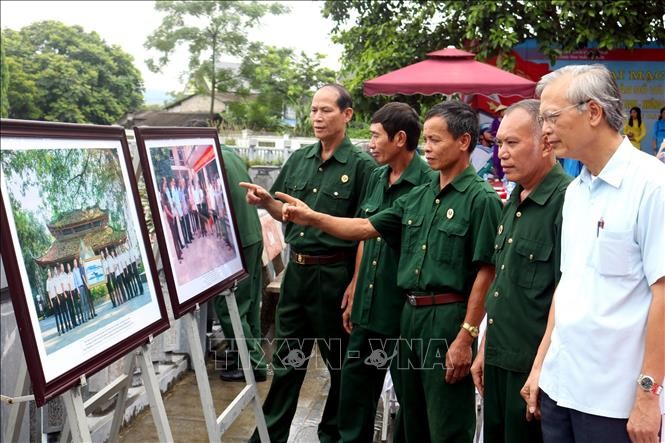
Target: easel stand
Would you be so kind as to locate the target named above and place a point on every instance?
(218, 425)
(76, 423)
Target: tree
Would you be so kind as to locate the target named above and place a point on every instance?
(387, 35)
(280, 79)
(4, 83)
(62, 73)
(210, 28)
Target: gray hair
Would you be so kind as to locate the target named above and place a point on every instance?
(532, 107)
(590, 82)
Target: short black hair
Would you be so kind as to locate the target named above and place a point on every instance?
(344, 100)
(460, 118)
(395, 117)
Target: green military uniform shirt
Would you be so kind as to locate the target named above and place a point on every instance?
(378, 301)
(249, 226)
(334, 187)
(445, 233)
(527, 259)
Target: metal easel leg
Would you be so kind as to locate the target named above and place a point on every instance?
(13, 429)
(76, 418)
(119, 411)
(154, 395)
(198, 361)
(243, 352)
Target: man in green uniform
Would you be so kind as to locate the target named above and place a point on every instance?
(527, 258)
(445, 230)
(375, 302)
(331, 176)
(248, 294)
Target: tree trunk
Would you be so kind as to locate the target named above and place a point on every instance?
(213, 83)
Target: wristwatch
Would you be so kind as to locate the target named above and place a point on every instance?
(472, 330)
(647, 383)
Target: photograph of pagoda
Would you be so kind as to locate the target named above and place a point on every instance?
(78, 244)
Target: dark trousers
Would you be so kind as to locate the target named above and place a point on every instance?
(64, 310)
(248, 299)
(137, 277)
(504, 409)
(308, 310)
(185, 234)
(564, 425)
(368, 357)
(109, 288)
(119, 279)
(57, 312)
(433, 410)
(71, 308)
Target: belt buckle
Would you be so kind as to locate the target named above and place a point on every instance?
(300, 259)
(412, 299)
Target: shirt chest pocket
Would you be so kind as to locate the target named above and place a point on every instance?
(532, 267)
(296, 188)
(449, 239)
(411, 230)
(616, 254)
(370, 209)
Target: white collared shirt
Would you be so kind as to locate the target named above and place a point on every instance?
(612, 250)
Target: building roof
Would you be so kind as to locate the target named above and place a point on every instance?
(165, 118)
(68, 249)
(77, 216)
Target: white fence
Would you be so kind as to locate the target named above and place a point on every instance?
(268, 149)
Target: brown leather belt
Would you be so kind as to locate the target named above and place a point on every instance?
(306, 259)
(434, 299)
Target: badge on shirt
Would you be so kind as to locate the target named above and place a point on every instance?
(344, 178)
(450, 214)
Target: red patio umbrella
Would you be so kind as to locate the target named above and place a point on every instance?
(449, 71)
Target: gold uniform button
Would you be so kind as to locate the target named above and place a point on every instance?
(320, 169)
(335, 193)
(409, 222)
(530, 256)
(424, 247)
(378, 239)
(315, 190)
(416, 271)
(510, 240)
(491, 321)
(302, 234)
(437, 201)
(518, 214)
(502, 267)
(496, 246)
(496, 293)
(371, 285)
(500, 229)
(374, 263)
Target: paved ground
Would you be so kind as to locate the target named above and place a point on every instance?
(183, 408)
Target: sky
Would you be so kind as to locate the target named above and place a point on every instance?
(128, 23)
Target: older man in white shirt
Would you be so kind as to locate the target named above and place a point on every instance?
(602, 359)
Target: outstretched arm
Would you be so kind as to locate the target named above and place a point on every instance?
(296, 211)
(258, 196)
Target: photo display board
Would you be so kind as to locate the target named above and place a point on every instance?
(193, 216)
(76, 250)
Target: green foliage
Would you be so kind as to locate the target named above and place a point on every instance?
(381, 36)
(209, 29)
(99, 292)
(278, 79)
(61, 73)
(4, 83)
(34, 240)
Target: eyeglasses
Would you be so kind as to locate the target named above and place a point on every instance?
(550, 117)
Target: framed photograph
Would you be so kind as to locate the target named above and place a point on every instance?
(75, 247)
(194, 220)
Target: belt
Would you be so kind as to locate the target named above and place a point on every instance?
(305, 259)
(434, 299)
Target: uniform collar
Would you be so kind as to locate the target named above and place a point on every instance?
(616, 168)
(341, 152)
(460, 183)
(411, 174)
(545, 188)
